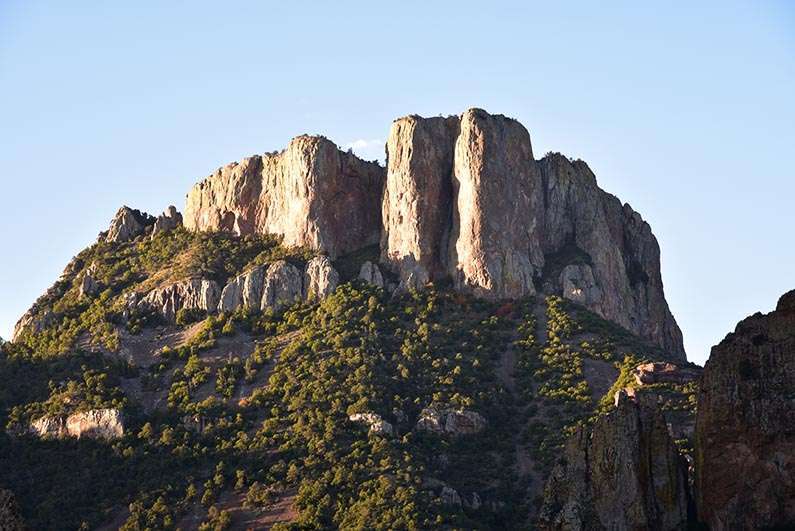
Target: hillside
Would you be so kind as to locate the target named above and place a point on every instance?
(467, 338)
(249, 411)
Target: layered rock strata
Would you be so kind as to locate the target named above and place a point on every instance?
(745, 425)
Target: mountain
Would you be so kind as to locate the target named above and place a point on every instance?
(468, 337)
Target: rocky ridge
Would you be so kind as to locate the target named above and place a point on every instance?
(622, 473)
(745, 426)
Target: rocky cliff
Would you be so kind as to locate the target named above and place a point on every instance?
(745, 426)
(623, 473)
(312, 194)
(465, 198)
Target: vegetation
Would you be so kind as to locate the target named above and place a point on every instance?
(269, 423)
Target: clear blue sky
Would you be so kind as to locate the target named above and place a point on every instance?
(685, 112)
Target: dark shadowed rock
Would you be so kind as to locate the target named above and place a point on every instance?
(622, 473)
(10, 516)
(745, 425)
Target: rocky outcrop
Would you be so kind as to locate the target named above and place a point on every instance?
(664, 372)
(418, 198)
(464, 197)
(282, 285)
(96, 424)
(623, 473)
(244, 291)
(312, 194)
(192, 294)
(745, 425)
(585, 226)
(320, 278)
(374, 422)
(88, 286)
(33, 321)
(170, 219)
(127, 225)
(10, 516)
(454, 421)
(498, 203)
(371, 274)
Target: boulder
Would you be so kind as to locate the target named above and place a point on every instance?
(312, 194)
(371, 274)
(96, 424)
(127, 225)
(745, 425)
(282, 285)
(374, 421)
(454, 421)
(170, 219)
(320, 278)
(10, 515)
(192, 294)
(624, 472)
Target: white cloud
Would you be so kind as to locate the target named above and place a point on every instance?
(364, 144)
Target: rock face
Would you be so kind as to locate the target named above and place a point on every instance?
(10, 516)
(465, 198)
(320, 278)
(283, 285)
(96, 423)
(244, 291)
(586, 226)
(170, 219)
(450, 420)
(418, 198)
(312, 194)
(745, 425)
(497, 201)
(371, 274)
(127, 225)
(192, 294)
(623, 473)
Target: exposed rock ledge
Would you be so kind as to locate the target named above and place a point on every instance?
(96, 423)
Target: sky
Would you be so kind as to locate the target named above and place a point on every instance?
(686, 112)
